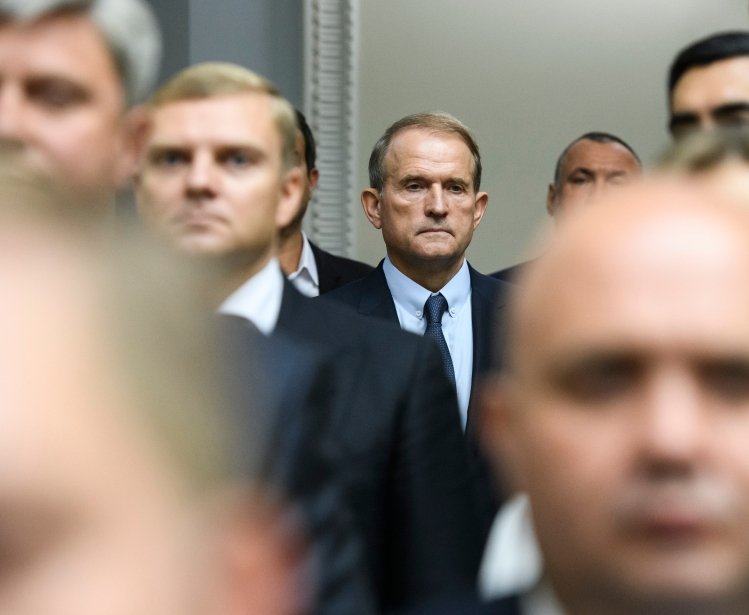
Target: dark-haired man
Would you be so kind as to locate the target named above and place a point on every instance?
(708, 84)
(311, 269)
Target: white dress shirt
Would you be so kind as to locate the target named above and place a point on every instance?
(258, 299)
(306, 278)
(512, 561)
(457, 323)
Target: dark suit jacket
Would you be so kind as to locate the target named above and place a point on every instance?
(402, 456)
(371, 296)
(335, 271)
(280, 389)
(510, 274)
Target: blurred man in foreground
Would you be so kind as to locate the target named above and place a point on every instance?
(120, 488)
(623, 410)
(69, 71)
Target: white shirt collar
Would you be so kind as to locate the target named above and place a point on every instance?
(413, 296)
(259, 298)
(307, 263)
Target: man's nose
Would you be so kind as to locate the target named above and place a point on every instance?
(201, 175)
(13, 115)
(435, 204)
(672, 429)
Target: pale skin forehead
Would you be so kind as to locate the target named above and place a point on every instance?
(655, 266)
(238, 119)
(704, 87)
(606, 157)
(70, 432)
(419, 151)
(67, 45)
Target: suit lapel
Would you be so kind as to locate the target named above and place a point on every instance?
(487, 305)
(326, 280)
(376, 299)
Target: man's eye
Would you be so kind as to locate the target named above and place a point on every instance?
(599, 381)
(238, 159)
(170, 158)
(413, 186)
(579, 179)
(457, 188)
(56, 94)
(727, 380)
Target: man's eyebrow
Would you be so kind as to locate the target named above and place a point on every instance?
(580, 169)
(681, 119)
(731, 108)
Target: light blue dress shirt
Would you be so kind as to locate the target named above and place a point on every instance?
(457, 323)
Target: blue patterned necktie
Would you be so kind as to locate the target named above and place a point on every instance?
(434, 308)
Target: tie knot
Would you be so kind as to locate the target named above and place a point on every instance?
(435, 306)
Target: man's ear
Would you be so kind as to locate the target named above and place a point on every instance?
(133, 139)
(479, 209)
(292, 191)
(260, 556)
(498, 431)
(312, 178)
(370, 202)
(551, 200)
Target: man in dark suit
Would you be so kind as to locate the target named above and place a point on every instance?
(312, 270)
(425, 175)
(592, 163)
(218, 176)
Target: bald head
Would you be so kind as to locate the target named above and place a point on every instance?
(625, 407)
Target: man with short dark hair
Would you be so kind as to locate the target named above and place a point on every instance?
(311, 269)
(589, 165)
(708, 84)
(69, 71)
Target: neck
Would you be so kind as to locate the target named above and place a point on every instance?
(231, 272)
(290, 250)
(432, 275)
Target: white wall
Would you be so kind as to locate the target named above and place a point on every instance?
(527, 76)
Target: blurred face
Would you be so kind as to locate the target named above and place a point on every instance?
(211, 176)
(627, 416)
(92, 517)
(427, 209)
(713, 95)
(61, 102)
(587, 171)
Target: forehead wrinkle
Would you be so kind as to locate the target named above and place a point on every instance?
(453, 159)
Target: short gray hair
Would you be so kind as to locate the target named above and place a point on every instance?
(129, 27)
(437, 122)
